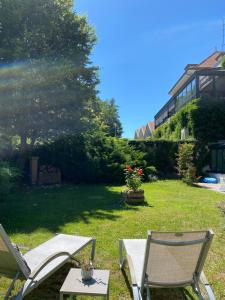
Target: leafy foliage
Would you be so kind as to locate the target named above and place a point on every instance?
(151, 174)
(48, 81)
(185, 165)
(103, 117)
(161, 156)
(171, 130)
(159, 153)
(8, 177)
(90, 157)
(204, 119)
(133, 177)
(209, 121)
(110, 118)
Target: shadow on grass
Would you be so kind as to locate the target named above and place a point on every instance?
(144, 203)
(52, 207)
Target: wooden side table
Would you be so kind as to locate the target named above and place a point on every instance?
(97, 286)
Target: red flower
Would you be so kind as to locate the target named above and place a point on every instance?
(140, 172)
(128, 168)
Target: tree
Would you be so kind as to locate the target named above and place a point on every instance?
(103, 117)
(185, 163)
(48, 81)
(110, 118)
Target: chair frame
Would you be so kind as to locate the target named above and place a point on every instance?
(30, 277)
(199, 274)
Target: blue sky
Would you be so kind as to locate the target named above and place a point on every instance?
(143, 47)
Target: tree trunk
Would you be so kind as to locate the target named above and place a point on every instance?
(23, 145)
(32, 142)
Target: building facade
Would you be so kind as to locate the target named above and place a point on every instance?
(204, 79)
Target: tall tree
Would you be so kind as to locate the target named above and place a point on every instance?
(47, 81)
(110, 118)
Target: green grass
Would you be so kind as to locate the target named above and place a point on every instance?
(34, 215)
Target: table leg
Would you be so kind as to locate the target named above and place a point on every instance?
(107, 296)
(93, 250)
(61, 296)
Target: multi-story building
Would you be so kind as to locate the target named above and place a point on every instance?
(204, 79)
(144, 131)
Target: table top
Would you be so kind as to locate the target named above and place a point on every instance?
(74, 284)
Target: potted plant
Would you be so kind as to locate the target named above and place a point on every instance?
(133, 178)
(87, 270)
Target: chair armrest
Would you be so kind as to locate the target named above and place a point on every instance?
(136, 293)
(50, 258)
(207, 286)
(131, 267)
(22, 247)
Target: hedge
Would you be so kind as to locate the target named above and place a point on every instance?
(163, 155)
(90, 159)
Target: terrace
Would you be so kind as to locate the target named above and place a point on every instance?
(197, 81)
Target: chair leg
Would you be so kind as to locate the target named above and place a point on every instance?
(207, 286)
(136, 292)
(197, 291)
(11, 287)
(93, 249)
(148, 294)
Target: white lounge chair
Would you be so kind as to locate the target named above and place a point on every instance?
(167, 260)
(39, 263)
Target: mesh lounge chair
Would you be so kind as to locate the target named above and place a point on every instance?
(167, 260)
(38, 264)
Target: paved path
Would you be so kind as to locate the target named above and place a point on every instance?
(212, 186)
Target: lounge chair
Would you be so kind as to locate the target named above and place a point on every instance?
(167, 260)
(39, 263)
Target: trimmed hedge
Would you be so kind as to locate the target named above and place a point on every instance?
(90, 159)
(163, 155)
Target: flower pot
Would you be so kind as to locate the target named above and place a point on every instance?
(133, 196)
(87, 274)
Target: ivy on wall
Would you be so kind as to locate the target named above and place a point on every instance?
(204, 118)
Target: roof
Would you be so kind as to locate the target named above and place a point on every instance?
(143, 128)
(151, 125)
(142, 132)
(136, 135)
(210, 62)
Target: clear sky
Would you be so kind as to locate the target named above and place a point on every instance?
(143, 47)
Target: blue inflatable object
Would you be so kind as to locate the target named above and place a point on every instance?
(209, 180)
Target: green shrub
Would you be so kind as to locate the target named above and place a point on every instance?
(185, 165)
(159, 153)
(151, 174)
(133, 178)
(90, 158)
(8, 179)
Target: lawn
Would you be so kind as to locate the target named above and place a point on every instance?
(34, 215)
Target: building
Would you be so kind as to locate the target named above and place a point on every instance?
(144, 131)
(204, 79)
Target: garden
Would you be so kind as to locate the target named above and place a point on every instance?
(109, 188)
(36, 214)
(65, 167)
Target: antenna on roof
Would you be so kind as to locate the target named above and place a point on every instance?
(223, 35)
